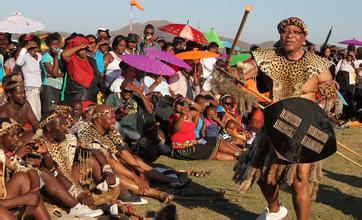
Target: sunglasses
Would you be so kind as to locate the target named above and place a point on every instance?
(228, 103)
(127, 91)
(150, 33)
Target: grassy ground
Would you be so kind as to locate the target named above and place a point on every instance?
(339, 195)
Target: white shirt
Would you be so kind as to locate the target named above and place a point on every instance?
(162, 87)
(116, 85)
(30, 67)
(208, 65)
(178, 84)
(343, 65)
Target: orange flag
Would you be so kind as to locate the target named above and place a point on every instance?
(135, 3)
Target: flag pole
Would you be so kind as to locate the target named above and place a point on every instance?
(130, 19)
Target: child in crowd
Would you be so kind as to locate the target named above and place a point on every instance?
(212, 123)
(229, 133)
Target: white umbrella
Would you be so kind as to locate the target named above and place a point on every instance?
(19, 24)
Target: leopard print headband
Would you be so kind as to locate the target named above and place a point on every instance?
(14, 82)
(61, 108)
(105, 112)
(7, 127)
(293, 21)
(48, 119)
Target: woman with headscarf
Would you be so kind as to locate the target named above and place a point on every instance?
(84, 80)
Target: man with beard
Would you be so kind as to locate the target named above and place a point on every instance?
(109, 148)
(59, 159)
(23, 187)
(291, 72)
(17, 107)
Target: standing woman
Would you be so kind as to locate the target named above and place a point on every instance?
(84, 80)
(112, 59)
(29, 60)
(326, 53)
(53, 69)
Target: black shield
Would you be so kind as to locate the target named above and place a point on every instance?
(299, 130)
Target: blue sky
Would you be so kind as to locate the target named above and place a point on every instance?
(86, 16)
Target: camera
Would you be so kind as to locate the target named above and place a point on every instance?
(184, 104)
(127, 105)
(33, 146)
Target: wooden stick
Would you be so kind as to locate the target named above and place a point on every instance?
(350, 160)
(246, 87)
(247, 9)
(347, 148)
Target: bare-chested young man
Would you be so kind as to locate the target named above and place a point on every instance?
(293, 72)
(23, 187)
(17, 107)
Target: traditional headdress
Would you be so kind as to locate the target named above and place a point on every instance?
(7, 127)
(14, 81)
(48, 119)
(293, 21)
(105, 112)
(61, 108)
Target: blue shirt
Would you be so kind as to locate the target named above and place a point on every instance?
(1, 68)
(50, 81)
(198, 128)
(99, 60)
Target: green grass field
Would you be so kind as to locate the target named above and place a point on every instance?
(339, 195)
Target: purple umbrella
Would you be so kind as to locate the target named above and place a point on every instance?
(148, 64)
(167, 57)
(351, 42)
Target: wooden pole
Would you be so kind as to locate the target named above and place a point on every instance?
(130, 19)
(347, 158)
(347, 148)
(253, 91)
(247, 9)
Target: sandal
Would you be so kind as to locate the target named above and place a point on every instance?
(131, 198)
(199, 173)
(57, 212)
(166, 197)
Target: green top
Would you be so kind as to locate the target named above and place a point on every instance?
(115, 100)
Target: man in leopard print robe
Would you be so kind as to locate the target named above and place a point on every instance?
(293, 72)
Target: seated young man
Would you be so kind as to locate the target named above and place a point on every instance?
(16, 150)
(17, 106)
(128, 104)
(109, 148)
(23, 187)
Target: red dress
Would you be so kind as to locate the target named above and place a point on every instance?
(185, 146)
